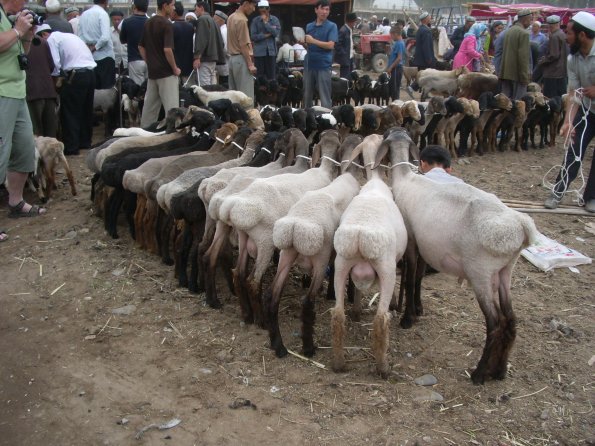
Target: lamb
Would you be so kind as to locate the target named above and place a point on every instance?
(470, 108)
(51, 153)
(477, 238)
(472, 85)
(440, 82)
(254, 211)
(136, 131)
(488, 104)
(435, 109)
(254, 120)
(296, 145)
(305, 238)
(234, 96)
(370, 239)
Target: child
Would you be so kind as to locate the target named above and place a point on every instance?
(435, 164)
(395, 62)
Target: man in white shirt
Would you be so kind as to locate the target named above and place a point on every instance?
(94, 30)
(286, 54)
(299, 51)
(435, 165)
(72, 15)
(120, 49)
(222, 70)
(73, 60)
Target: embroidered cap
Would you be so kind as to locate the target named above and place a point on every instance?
(221, 15)
(585, 19)
(424, 15)
(553, 19)
(71, 9)
(53, 6)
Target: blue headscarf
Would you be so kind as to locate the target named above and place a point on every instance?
(477, 30)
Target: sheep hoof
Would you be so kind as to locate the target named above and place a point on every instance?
(309, 351)
(168, 262)
(478, 377)
(214, 303)
(383, 370)
(338, 366)
(355, 315)
(406, 322)
(280, 351)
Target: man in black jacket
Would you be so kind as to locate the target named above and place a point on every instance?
(424, 46)
(344, 48)
(459, 34)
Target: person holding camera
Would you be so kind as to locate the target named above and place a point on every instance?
(17, 147)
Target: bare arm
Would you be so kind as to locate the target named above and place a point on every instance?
(169, 55)
(143, 53)
(324, 45)
(22, 31)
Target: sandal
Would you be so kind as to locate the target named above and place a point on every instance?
(16, 211)
(3, 236)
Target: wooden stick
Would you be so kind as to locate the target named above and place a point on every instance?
(57, 289)
(534, 203)
(529, 394)
(297, 355)
(557, 211)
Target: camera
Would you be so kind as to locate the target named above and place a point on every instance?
(23, 61)
(37, 19)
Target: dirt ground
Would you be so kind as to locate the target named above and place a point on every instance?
(73, 373)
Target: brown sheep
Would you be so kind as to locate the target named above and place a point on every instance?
(51, 153)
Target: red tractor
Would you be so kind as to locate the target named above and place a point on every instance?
(371, 51)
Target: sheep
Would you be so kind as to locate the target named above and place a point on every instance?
(106, 100)
(488, 104)
(254, 211)
(51, 153)
(135, 131)
(305, 238)
(371, 237)
(441, 82)
(435, 108)
(466, 126)
(359, 111)
(453, 107)
(254, 120)
(132, 107)
(477, 238)
(472, 85)
(470, 108)
(237, 97)
(297, 145)
(339, 89)
(381, 90)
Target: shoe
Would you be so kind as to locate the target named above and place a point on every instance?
(590, 205)
(552, 202)
(18, 212)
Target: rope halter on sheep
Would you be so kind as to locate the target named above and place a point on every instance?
(569, 145)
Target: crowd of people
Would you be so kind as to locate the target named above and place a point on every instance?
(76, 53)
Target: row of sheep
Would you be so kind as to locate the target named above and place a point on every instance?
(207, 186)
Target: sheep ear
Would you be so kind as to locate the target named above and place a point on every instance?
(381, 154)
(357, 151)
(316, 153)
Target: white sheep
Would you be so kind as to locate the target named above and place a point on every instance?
(371, 238)
(254, 212)
(136, 131)
(305, 238)
(237, 97)
(468, 233)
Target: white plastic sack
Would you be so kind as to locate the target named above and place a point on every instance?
(299, 33)
(547, 254)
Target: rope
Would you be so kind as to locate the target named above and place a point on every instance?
(353, 163)
(304, 157)
(219, 140)
(569, 145)
(266, 150)
(240, 148)
(336, 163)
(190, 77)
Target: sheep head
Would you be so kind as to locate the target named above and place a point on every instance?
(397, 113)
(539, 99)
(226, 133)
(533, 87)
(436, 105)
(254, 119)
(411, 110)
(292, 143)
(467, 109)
(358, 112)
(503, 102)
(398, 144)
(346, 151)
(475, 108)
(328, 146)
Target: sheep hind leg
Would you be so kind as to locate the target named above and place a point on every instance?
(239, 278)
(263, 258)
(196, 282)
(181, 259)
(272, 298)
(380, 325)
(210, 265)
(338, 315)
(308, 306)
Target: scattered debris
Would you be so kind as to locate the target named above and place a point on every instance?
(238, 403)
(125, 310)
(122, 422)
(422, 394)
(426, 380)
(171, 423)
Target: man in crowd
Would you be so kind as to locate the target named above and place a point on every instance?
(94, 30)
(223, 70)
(17, 154)
(183, 37)
(514, 71)
(54, 17)
(553, 63)
(239, 46)
(344, 52)
(72, 15)
(424, 46)
(579, 122)
(321, 37)
(373, 23)
(73, 60)
(208, 45)
(130, 33)
(459, 34)
(120, 49)
(156, 48)
(264, 30)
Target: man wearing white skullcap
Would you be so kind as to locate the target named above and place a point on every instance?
(424, 44)
(553, 63)
(54, 19)
(579, 122)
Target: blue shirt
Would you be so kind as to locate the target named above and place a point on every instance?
(265, 46)
(398, 48)
(319, 58)
(130, 32)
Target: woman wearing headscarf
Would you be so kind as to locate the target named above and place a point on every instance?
(471, 48)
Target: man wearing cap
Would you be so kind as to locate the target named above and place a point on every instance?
(120, 49)
(553, 64)
(131, 31)
(579, 122)
(72, 15)
(73, 60)
(264, 30)
(516, 56)
(373, 23)
(239, 47)
(55, 19)
(94, 30)
(424, 46)
(156, 48)
(321, 37)
(344, 52)
(17, 148)
(183, 35)
(208, 45)
(223, 69)
(459, 34)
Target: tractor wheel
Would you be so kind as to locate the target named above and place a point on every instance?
(379, 62)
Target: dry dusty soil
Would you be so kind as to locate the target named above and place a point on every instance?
(74, 373)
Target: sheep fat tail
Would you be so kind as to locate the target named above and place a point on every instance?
(305, 236)
(352, 240)
(245, 214)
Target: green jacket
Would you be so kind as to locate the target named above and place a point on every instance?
(12, 78)
(516, 55)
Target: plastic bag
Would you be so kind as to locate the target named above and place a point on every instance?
(547, 254)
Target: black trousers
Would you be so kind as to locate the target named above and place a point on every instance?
(554, 87)
(105, 73)
(583, 135)
(395, 82)
(76, 111)
(265, 66)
